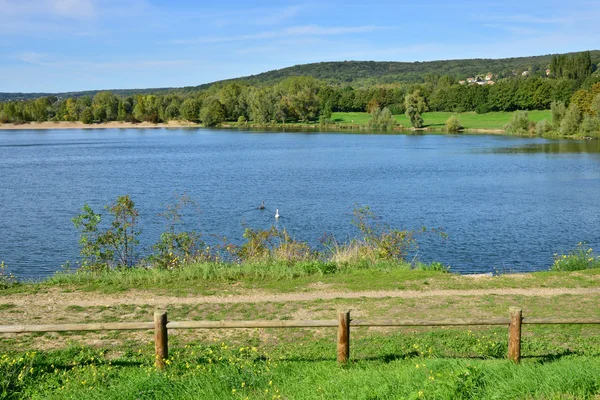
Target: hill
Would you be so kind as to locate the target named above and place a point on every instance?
(391, 71)
(356, 72)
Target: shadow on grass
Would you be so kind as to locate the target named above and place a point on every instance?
(548, 358)
(391, 357)
(433, 125)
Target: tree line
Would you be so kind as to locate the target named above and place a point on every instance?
(307, 99)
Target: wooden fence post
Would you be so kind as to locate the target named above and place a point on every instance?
(514, 334)
(343, 337)
(161, 338)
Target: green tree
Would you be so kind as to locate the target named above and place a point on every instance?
(71, 110)
(190, 109)
(230, 96)
(86, 115)
(583, 99)
(415, 105)
(105, 106)
(212, 112)
(262, 105)
(326, 112)
(595, 106)
(121, 114)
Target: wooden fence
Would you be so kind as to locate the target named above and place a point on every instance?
(161, 326)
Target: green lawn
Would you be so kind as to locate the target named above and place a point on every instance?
(470, 120)
(385, 367)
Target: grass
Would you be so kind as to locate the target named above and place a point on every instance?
(214, 278)
(442, 364)
(559, 362)
(469, 120)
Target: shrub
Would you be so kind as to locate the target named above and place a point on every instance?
(558, 110)
(242, 121)
(569, 125)
(519, 123)
(7, 279)
(177, 247)
(382, 120)
(272, 245)
(115, 246)
(576, 260)
(379, 242)
(590, 126)
(543, 127)
(453, 124)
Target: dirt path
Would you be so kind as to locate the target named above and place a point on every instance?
(144, 298)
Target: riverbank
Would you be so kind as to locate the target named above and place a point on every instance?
(490, 123)
(332, 127)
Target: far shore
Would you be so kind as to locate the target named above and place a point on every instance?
(50, 125)
(104, 125)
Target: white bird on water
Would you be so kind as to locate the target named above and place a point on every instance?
(277, 213)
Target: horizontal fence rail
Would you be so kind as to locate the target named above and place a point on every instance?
(161, 325)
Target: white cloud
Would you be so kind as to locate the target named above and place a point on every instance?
(61, 8)
(74, 8)
(51, 61)
(254, 16)
(279, 16)
(303, 30)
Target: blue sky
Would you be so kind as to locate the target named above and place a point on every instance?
(64, 45)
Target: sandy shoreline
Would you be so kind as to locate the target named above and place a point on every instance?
(106, 125)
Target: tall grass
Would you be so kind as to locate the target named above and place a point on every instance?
(126, 278)
(576, 260)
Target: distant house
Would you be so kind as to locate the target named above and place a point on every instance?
(479, 80)
(548, 72)
(461, 82)
(525, 73)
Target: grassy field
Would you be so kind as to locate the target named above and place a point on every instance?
(470, 120)
(559, 361)
(386, 363)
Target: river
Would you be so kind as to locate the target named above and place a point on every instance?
(507, 204)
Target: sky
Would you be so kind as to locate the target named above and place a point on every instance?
(68, 45)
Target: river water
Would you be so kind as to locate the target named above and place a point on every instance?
(507, 204)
